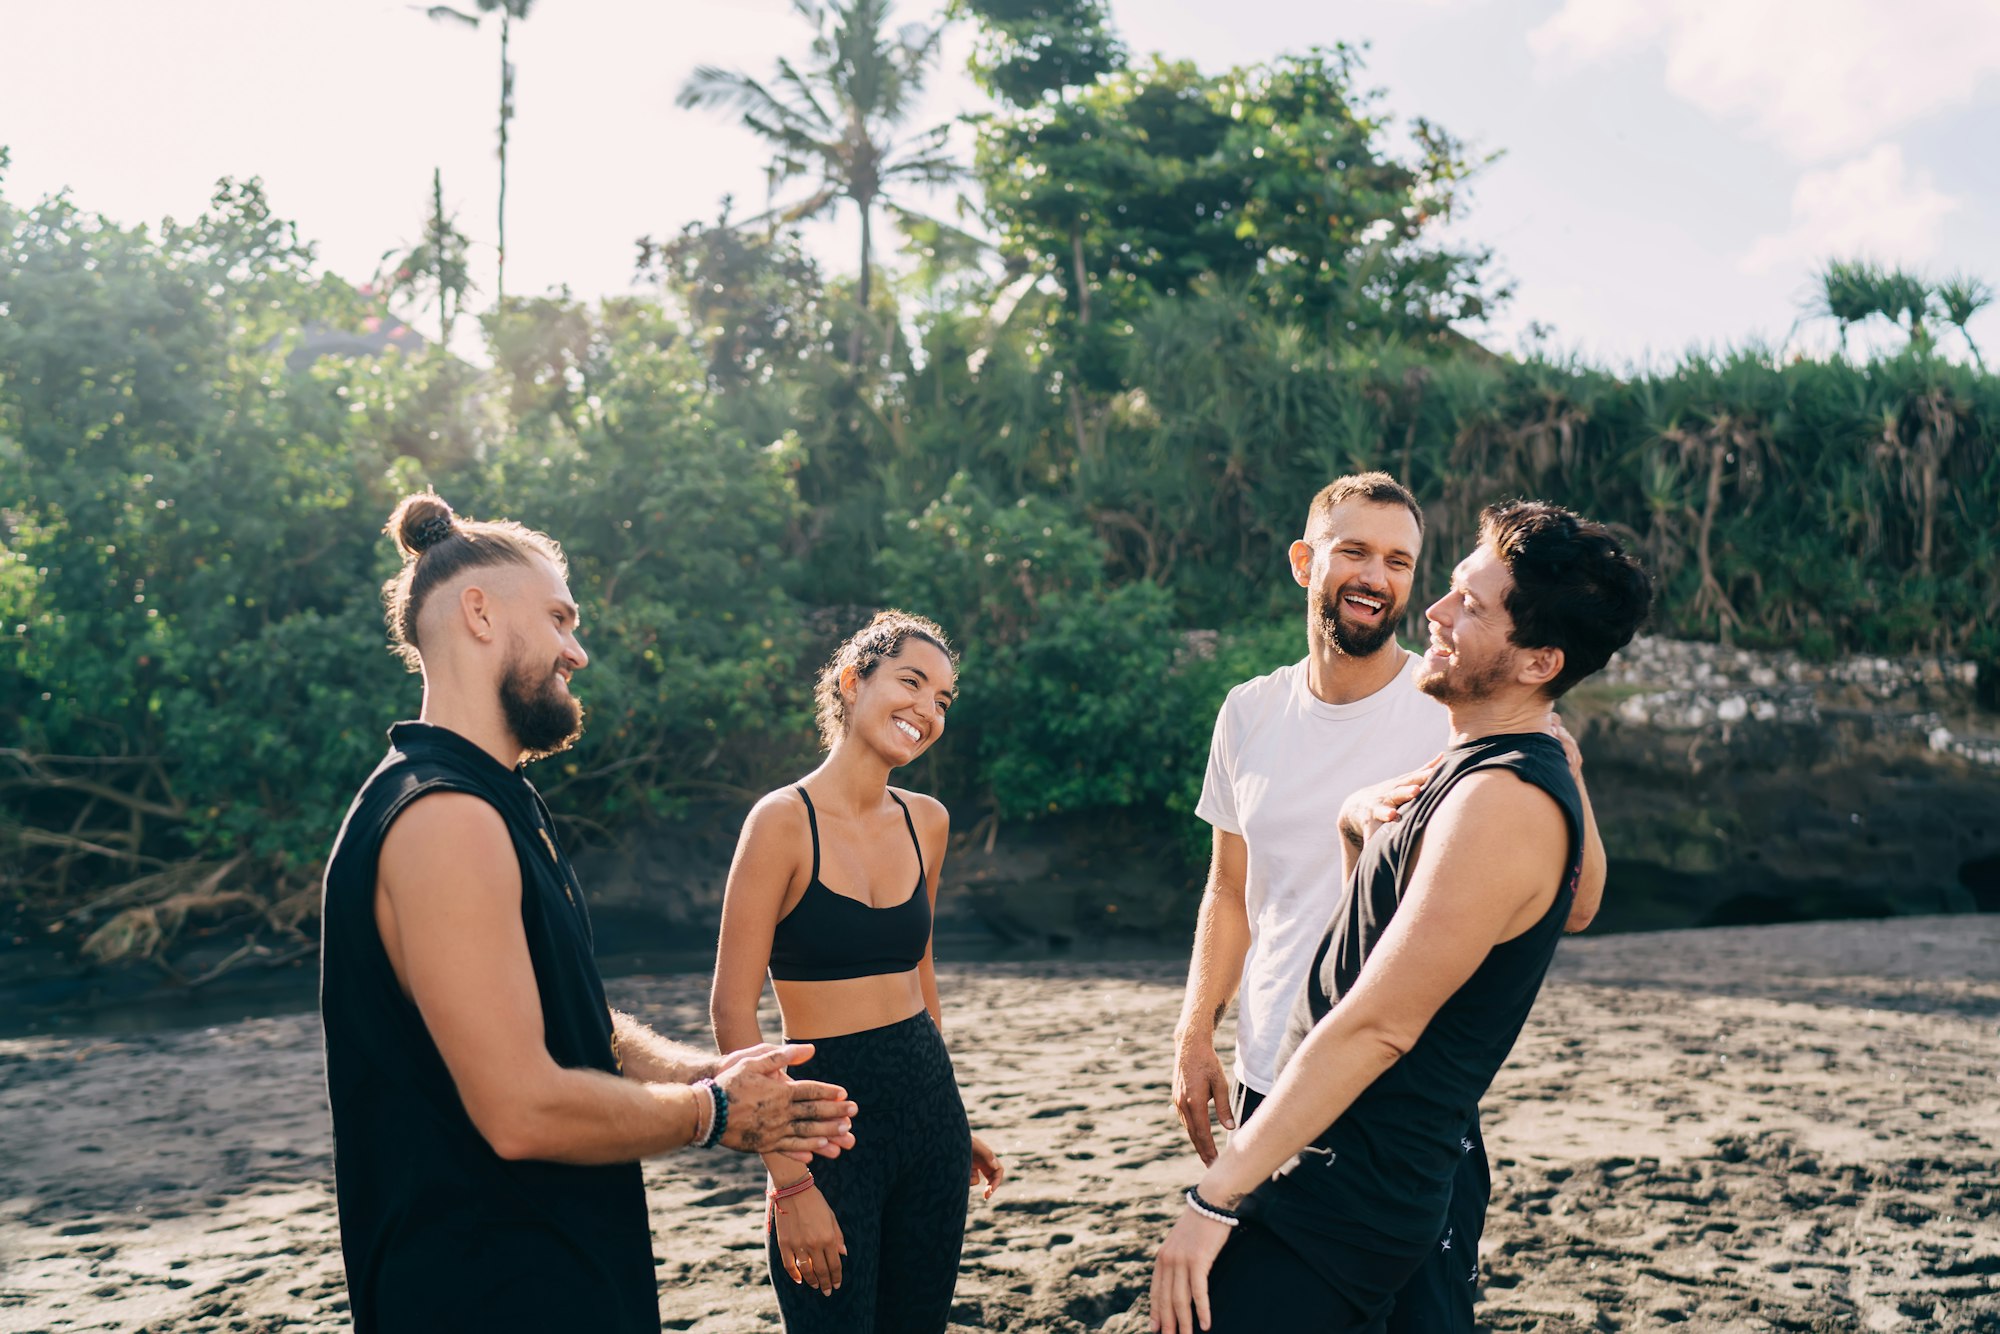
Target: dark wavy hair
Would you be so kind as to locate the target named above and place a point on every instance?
(865, 650)
(1575, 588)
(437, 545)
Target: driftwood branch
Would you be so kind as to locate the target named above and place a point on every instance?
(49, 838)
(38, 773)
(85, 761)
(160, 885)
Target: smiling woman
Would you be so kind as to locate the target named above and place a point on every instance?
(832, 892)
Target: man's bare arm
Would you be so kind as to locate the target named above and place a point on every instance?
(1221, 940)
(1590, 879)
(448, 905)
(1493, 858)
(646, 1056)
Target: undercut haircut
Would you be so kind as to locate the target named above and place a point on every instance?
(436, 547)
(1377, 488)
(865, 650)
(1575, 588)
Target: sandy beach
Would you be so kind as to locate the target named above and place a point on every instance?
(1774, 1128)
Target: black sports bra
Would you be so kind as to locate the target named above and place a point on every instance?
(827, 936)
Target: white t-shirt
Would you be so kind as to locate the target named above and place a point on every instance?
(1281, 764)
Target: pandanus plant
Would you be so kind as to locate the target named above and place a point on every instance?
(1854, 291)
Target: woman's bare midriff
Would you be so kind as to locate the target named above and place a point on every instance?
(849, 1005)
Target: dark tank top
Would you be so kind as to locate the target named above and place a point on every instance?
(828, 936)
(1379, 1178)
(438, 1231)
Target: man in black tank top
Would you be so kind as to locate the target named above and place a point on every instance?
(1323, 1206)
(489, 1108)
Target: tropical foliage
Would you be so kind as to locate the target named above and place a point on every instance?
(1084, 451)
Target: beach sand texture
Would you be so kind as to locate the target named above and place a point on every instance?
(1773, 1128)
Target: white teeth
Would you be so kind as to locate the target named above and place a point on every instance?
(909, 731)
(1370, 603)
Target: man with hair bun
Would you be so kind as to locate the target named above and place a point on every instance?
(489, 1107)
(1327, 1203)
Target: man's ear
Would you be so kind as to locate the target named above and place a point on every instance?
(475, 608)
(1301, 557)
(1538, 666)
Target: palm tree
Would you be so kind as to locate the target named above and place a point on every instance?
(1962, 297)
(1906, 299)
(837, 117)
(1849, 294)
(435, 265)
(508, 10)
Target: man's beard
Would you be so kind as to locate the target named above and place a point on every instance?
(544, 718)
(1469, 688)
(1352, 640)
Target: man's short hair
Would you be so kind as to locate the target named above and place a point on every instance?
(1377, 488)
(1574, 587)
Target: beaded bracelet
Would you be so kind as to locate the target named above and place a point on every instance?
(718, 1124)
(1213, 1212)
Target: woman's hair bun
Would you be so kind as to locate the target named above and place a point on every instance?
(420, 523)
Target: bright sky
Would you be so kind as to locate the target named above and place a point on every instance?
(1673, 169)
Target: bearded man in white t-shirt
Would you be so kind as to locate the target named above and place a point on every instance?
(1346, 722)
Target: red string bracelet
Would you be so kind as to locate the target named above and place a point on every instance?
(773, 1194)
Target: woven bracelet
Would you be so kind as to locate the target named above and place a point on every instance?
(799, 1187)
(719, 1122)
(704, 1115)
(1213, 1212)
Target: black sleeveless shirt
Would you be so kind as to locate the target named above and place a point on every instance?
(1379, 1178)
(438, 1231)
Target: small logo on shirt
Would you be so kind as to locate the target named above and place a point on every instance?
(1292, 1163)
(550, 844)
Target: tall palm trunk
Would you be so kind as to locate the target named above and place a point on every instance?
(1077, 422)
(867, 276)
(439, 223)
(1082, 273)
(506, 114)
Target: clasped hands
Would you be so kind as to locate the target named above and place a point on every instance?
(770, 1112)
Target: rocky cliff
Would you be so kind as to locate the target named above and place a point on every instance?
(1737, 787)
(1733, 787)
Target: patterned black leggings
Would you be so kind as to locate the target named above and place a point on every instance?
(899, 1194)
